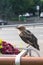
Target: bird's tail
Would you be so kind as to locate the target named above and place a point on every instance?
(36, 46)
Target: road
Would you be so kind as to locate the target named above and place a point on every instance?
(10, 34)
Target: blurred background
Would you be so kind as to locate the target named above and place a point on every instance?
(21, 11)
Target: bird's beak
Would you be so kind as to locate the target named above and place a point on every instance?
(17, 27)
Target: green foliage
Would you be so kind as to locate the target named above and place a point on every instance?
(37, 2)
(41, 0)
(11, 8)
(14, 19)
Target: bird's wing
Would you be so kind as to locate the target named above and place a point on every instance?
(29, 33)
(29, 39)
(25, 37)
(26, 34)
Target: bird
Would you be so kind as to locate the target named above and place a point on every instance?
(28, 37)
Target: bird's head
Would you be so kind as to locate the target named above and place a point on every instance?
(21, 27)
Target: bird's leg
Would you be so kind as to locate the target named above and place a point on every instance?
(29, 50)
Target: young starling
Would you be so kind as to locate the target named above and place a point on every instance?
(28, 37)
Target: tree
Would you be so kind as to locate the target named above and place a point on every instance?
(11, 8)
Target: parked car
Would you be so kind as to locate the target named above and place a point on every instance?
(3, 22)
(27, 14)
(41, 14)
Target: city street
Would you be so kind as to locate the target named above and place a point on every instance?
(10, 34)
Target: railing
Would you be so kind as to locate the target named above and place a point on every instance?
(23, 61)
